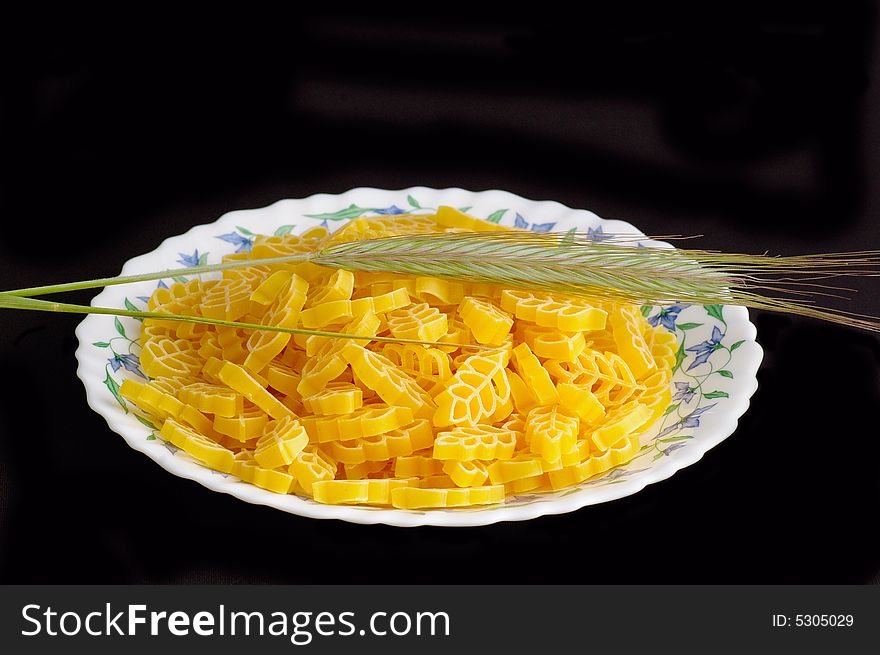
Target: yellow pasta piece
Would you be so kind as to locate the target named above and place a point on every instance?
(418, 498)
(227, 299)
(368, 492)
(264, 345)
(336, 398)
(631, 346)
(487, 323)
(399, 442)
(434, 290)
(212, 398)
(524, 398)
(657, 394)
(269, 289)
(311, 466)
(551, 431)
(418, 466)
(208, 452)
(335, 311)
(237, 378)
(451, 217)
(280, 443)
(328, 364)
(581, 401)
(242, 427)
(167, 358)
(479, 391)
(364, 470)
(466, 474)
(559, 312)
(523, 485)
(209, 346)
(423, 360)
(390, 383)
(365, 422)
(571, 475)
(339, 287)
(534, 375)
(420, 322)
(553, 344)
(464, 443)
(520, 467)
(620, 424)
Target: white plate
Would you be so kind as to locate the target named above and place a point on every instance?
(713, 383)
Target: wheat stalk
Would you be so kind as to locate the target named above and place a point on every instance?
(615, 269)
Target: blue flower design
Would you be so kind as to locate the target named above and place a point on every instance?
(666, 317)
(144, 299)
(162, 284)
(672, 448)
(692, 420)
(241, 243)
(519, 221)
(684, 392)
(188, 260)
(597, 234)
(705, 349)
(129, 362)
(542, 227)
(325, 223)
(393, 209)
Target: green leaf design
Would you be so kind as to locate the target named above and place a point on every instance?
(110, 383)
(725, 373)
(464, 210)
(203, 259)
(284, 230)
(245, 231)
(495, 216)
(646, 309)
(413, 202)
(151, 437)
(716, 394)
(180, 278)
(716, 311)
(146, 422)
(101, 344)
(352, 211)
(569, 237)
(671, 409)
(130, 305)
(119, 328)
(688, 326)
(737, 345)
(679, 357)
(680, 437)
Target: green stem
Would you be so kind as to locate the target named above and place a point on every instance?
(15, 302)
(143, 277)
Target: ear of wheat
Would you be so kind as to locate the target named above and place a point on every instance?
(613, 269)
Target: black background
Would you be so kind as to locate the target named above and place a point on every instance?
(756, 126)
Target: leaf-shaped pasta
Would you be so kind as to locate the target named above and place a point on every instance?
(478, 392)
(626, 325)
(553, 311)
(390, 383)
(551, 431)
(167, 358)
(227, 299)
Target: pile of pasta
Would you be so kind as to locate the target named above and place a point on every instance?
(557, 391)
